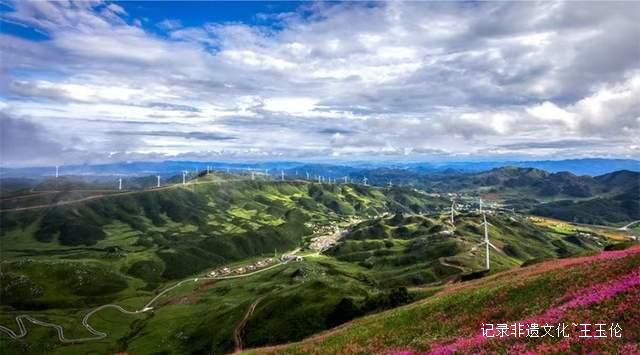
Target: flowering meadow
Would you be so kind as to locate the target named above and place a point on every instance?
(600, 289)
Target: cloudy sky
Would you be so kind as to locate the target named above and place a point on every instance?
(113, 81)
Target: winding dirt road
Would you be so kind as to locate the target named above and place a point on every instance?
(98, 334)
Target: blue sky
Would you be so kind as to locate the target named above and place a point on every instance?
(104, 81)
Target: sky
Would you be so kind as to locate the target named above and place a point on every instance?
(96, 82)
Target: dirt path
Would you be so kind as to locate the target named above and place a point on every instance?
(238, 333)
(444, 262)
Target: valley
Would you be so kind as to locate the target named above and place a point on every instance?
(226, 262)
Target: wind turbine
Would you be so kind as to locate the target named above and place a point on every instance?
(346, 180)
(158, 185)
(184, 177)
(307, 175)
(253, 175)
(56, 171)
(390, 184)
(281, 175)
(119, 184)
(481, 206)
(364, 180)
(453, 211)
(486, 242)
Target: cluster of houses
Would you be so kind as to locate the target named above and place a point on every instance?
(241, 269)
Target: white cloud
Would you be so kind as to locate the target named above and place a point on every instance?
(392, 78)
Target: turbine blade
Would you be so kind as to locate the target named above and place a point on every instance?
(494, 247)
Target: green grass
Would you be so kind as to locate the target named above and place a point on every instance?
(153, 238)
(457, 313)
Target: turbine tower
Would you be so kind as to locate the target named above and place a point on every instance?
(390, 184)
(253, 175)
(281, 175)
(453, 211)
(119, 184)
(364, 180)
(56, 171)
(158, 185)
(486, 242)
(307, 175)
(184, 177)
(346, 180)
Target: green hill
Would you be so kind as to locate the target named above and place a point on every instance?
(59, 262)
(604, 289)
(413, 250)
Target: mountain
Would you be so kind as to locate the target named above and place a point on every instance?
(620, 208)
(603, 286)
(535, 183)
(332, 168)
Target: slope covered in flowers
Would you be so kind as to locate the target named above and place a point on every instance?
(599, 289)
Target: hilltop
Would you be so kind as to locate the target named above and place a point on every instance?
(603, 288)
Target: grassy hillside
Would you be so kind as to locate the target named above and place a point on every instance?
(415, 249)
(169, 234)
(604, 288)
(59, 262)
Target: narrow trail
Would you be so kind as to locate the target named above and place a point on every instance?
(238, 333)
(22, 332)
(444, 262)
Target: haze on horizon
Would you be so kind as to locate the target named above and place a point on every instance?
(92, 82)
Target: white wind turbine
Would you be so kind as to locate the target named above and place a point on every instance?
(56, 171)
(281, 175)
(346, 179)
(364, 180)
(307, 175)
(453, 211)
(486, 242)
(158, 185)
(119, 184)
(390, 184)
(184, 177)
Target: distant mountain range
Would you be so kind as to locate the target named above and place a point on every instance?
(538, 183)
(591, 167)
